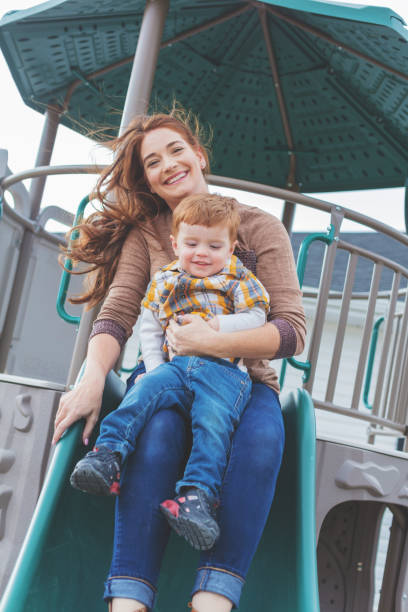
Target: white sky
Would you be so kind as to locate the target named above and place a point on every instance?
(20, 130)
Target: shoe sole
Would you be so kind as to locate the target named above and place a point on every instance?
(89, 480)
(200, 537)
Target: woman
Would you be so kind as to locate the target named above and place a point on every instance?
(158, 161)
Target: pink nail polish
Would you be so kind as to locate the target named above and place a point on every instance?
(86, 441)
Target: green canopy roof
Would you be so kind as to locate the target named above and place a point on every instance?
(347, 114)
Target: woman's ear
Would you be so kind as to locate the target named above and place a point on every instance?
(201, 158)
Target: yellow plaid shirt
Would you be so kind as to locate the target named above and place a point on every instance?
(173, 292)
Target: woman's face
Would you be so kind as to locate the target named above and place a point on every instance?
(173, 168)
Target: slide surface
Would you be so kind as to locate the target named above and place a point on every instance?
(66, 554)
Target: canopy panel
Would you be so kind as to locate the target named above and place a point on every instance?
(347, 115)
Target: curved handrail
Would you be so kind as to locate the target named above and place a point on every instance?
(300, 198)
(222, 181)
(327, 238)
(28, 224)
(11, 179)
(66, 276)
(370, 362)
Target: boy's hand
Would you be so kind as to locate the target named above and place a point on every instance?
(138, 377)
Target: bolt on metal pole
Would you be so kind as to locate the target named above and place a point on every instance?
(137, 102)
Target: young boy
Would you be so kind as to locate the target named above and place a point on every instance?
(206, 279)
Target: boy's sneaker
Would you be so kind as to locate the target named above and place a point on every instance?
(98, 472)
(192, 516)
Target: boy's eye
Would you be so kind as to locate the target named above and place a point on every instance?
(215, 246)
(191, 244)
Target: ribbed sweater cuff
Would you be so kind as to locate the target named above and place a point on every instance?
(108, 326)
(288, 339)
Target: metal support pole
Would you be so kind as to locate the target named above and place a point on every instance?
(288, 215)
(144, 64)
(392, 571)
(289, 208)
(137, 101)
(45, 149)
(81, 343)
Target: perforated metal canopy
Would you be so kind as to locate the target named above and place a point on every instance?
(341, 122)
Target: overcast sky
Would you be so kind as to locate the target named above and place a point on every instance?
(21, 128)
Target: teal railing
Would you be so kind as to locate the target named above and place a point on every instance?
(370, 362)
(327, 238)
(66, 276)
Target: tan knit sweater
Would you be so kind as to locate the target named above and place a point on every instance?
(263, 247)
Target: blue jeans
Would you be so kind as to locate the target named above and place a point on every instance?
(141, 533)
(215, 393)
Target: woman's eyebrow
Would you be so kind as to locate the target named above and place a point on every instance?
(170, 144)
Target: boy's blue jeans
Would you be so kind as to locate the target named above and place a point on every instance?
(215, 393)
(141, 532)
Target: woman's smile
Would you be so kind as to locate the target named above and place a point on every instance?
(176, 178)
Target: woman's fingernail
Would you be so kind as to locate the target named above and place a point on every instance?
(86, 441)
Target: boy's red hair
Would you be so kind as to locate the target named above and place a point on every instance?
(207, 209)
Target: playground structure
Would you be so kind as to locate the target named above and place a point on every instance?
(355, 481)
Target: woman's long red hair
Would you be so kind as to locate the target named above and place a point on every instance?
(125, 201)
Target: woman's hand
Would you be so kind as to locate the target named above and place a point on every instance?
(194, 337)
(83, 402)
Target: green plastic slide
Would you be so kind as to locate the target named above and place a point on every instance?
(66, 554)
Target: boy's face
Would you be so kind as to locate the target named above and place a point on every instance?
(202, 251)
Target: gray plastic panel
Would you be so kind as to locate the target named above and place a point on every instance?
(10, 238)
(26, 416)
(42, 343)
(353, 487)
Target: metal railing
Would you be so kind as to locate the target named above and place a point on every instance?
(389, 406)
(221, 181)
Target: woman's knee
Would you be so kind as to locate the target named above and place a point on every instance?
(165, 437)
(261, 431)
